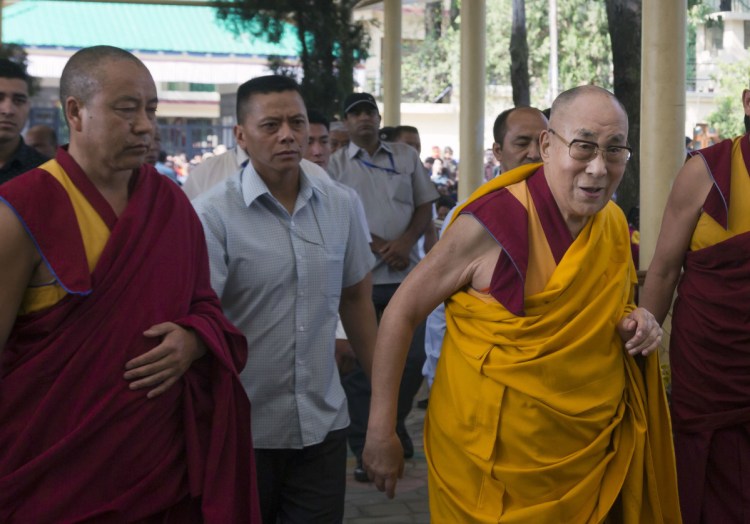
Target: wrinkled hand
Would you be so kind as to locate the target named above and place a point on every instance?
(345, 356)
(161, 367)
(640, 331)
(383, 459)
(395, 253)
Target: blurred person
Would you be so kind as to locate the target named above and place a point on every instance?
(409, 135)
(548, 404)
(43, 139)
(450, 163)
(387, 134)
(120, 395)
(16, 157)
(287, 252)
(157, 158)
(397, 196)
(516, 132)
(703, 251)
(339, 136)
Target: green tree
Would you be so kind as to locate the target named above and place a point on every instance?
(583, 49)
(732, 79)
(331, 43)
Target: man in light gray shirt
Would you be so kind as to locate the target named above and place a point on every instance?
(288, 252)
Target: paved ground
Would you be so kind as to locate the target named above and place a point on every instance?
(366, 505)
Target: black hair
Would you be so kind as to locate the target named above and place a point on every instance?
(262, 85)
(387, 134)
(10, 69)
(316, 117)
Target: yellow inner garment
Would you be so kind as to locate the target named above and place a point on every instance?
(708, 232)
(94, 233)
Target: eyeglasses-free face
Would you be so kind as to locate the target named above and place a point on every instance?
(586, 151)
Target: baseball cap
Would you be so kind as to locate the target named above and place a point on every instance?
(359, 98)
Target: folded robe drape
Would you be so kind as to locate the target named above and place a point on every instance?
(76, 444)
(540, 415)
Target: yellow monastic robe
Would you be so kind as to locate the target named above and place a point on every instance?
(545, 418)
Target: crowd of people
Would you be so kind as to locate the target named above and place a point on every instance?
(301, 274)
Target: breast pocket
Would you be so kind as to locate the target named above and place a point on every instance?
(333, 272)
(401, 190)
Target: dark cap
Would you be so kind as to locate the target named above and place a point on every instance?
(359, 98)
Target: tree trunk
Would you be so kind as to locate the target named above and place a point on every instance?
(624, 21)
(519, 56)
(433, 20)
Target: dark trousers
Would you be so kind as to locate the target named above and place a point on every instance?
(303, 486)
(357, 387)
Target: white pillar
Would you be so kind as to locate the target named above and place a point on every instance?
(662, 112)
(391, 62)
(473, 27)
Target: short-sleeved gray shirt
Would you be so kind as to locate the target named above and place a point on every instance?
(279, 278)
(392, 183)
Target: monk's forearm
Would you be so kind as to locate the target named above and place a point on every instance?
(658, 292)
(394, 337)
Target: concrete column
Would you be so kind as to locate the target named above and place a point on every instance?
(391, 62)
(662, 112)
(471, 119)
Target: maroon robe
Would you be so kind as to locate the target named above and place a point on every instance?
(710, 362)
(76, 444)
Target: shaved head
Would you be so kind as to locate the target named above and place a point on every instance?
(566, 98)
(82, 74)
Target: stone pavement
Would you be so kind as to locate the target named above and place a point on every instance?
(366, 505)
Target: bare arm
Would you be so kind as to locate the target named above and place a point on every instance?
(358, 317)
(453, 263)
(18, 258)
(680, 218)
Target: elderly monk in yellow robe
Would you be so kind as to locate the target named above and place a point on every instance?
(547, 405)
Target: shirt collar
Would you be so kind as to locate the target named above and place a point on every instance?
(354, 149)
(253, 186)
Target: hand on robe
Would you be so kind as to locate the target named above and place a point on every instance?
(640, 331)
(383, 459)
(161, 367)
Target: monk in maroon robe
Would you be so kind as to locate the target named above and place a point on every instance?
(704, 245)
(119, 394)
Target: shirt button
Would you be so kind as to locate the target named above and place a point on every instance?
(301, 328)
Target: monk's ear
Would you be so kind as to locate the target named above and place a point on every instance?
(544, 145)
(74, 113)
(497, 152)
(746, 101)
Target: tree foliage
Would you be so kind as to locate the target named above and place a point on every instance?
(331, 43)
(732, 79)
(583, 48)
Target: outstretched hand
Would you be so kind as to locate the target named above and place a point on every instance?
(161, 367)
(640, 332)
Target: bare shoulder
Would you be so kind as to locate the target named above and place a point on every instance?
(471, 248)
(19, 259)
(691, 186)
